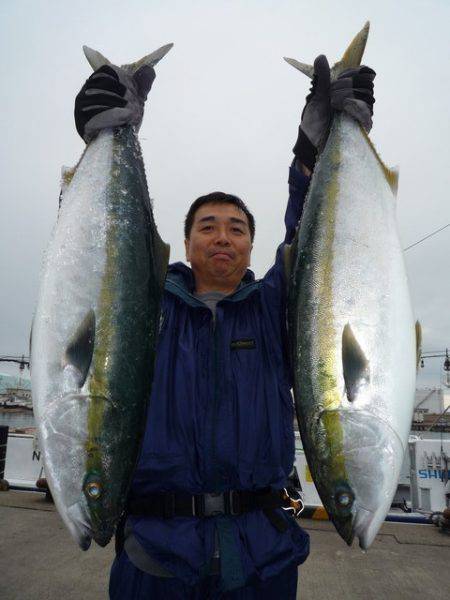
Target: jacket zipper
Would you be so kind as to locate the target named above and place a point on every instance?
(215, 382)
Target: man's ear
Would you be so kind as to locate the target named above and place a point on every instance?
(186, 247)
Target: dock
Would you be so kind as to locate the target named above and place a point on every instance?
(39, 560)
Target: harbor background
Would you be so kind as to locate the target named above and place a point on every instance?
(251, 101)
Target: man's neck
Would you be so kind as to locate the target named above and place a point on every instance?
(206, 282)
(205, 287)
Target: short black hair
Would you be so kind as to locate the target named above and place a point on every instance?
(217, 198)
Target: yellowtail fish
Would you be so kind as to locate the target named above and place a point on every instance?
(351, 326)
(95, 328)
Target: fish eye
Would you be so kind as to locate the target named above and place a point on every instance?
(93, 490)
(344, 499)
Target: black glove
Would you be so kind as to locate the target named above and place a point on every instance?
(352, 92)
(316, 115)
(112, 97)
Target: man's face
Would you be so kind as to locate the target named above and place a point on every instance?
(219, 246)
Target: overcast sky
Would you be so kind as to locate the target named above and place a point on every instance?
(222, 115)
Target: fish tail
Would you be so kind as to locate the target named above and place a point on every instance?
(352, 56)
(150, 60)
(97, 60)
(304, 68)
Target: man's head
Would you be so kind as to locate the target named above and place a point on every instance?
(219, 231)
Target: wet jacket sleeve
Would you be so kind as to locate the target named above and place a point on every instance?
(274, 282)
(274, 285)
(298, 187)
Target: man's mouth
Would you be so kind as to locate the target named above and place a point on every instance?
(224, 255)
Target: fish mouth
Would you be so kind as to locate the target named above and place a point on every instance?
(362, 524)
(103, 538)
(103, 534)
(78, 524)
(345, 528)
(366, 525)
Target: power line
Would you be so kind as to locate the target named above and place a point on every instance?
(22, 361)
(426, 237)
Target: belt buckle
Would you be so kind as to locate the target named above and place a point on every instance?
(214, 504)
(294, 500)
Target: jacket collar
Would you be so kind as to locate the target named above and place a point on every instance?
(180, 281)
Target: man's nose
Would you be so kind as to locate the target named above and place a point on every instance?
(222, 237)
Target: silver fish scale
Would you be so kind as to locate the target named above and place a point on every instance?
(370, 290)
(72, 280)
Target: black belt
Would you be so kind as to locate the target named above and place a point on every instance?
(235, 502)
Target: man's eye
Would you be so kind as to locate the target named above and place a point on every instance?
(237, 230)
(206, 228)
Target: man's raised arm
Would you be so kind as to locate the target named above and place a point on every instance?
(351, 92)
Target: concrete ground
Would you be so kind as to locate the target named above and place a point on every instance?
(39, 560)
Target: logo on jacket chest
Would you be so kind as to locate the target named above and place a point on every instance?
(245, 344)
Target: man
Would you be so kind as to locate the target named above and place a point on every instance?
(207, 511)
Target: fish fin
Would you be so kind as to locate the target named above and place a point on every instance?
(354, 362)
(287, 260)
(67, 174)
(95, 59)
(353, 55)
(81, 347)
(162, 254)
(351, 58)
(307, 70)
(418, 343)
(391, 175)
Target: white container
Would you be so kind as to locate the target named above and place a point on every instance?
(23, 465)
(430, 472)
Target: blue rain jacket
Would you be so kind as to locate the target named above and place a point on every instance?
(221, 418)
